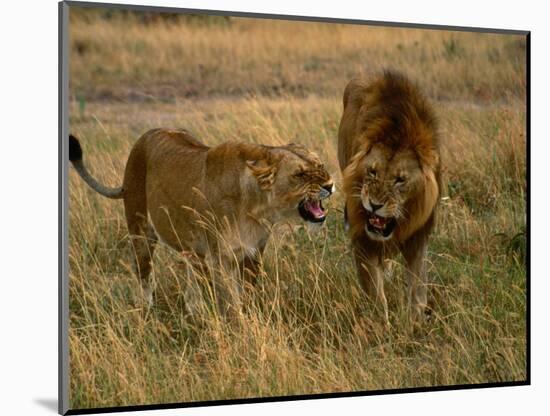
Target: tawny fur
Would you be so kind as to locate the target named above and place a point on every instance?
(215, 205)
(388, 133)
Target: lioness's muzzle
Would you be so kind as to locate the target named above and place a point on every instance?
(311, 209)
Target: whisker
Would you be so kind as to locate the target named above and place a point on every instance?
(400, 212)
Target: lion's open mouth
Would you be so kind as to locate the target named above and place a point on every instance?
(380, 225)
(312, 210)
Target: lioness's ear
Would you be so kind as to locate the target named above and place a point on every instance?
(295, 146)
(301, 150)
(264, 170)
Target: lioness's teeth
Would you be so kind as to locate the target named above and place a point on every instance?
(315, 208)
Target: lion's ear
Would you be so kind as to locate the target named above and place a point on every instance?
(429, 158)
(356, 159)
(352, 173)
(264, 170)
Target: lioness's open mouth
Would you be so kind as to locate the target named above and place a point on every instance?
(380, 225)
(312, 210)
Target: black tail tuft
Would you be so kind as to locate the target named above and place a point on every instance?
(75, 151)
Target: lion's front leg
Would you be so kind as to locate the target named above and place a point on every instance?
(372, 280)
(415, 256)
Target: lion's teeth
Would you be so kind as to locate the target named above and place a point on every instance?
(378, 222)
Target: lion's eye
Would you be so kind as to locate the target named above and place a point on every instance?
(399, 180)
(300, 174)
(372, 173)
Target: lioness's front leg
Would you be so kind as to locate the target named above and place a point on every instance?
(217, 281)
(252, 263)
(229, 294)
(198, 276)
(372, 280)
(250, 270)
(415, 255)
(227, 287)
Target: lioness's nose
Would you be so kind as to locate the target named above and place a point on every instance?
(326, 191)
(329, 187)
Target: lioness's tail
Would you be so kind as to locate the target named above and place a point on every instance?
(75, 156)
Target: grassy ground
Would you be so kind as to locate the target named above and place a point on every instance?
(308, 327)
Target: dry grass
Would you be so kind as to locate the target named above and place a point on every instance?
(308, 328)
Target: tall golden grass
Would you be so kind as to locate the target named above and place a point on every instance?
(307, 326)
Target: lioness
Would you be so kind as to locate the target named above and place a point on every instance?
(217, 203)
(389, 156)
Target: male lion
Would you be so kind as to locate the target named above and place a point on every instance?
(215, 204)
(389, 156)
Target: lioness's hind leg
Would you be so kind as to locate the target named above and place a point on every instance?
(143, 241)
(142, 235)
(143, 244)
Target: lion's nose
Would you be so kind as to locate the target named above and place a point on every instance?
(375, 206)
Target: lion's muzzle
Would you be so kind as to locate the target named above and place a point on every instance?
(380, 226)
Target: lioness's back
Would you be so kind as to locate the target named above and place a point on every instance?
(164, 154)
(170, 142)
